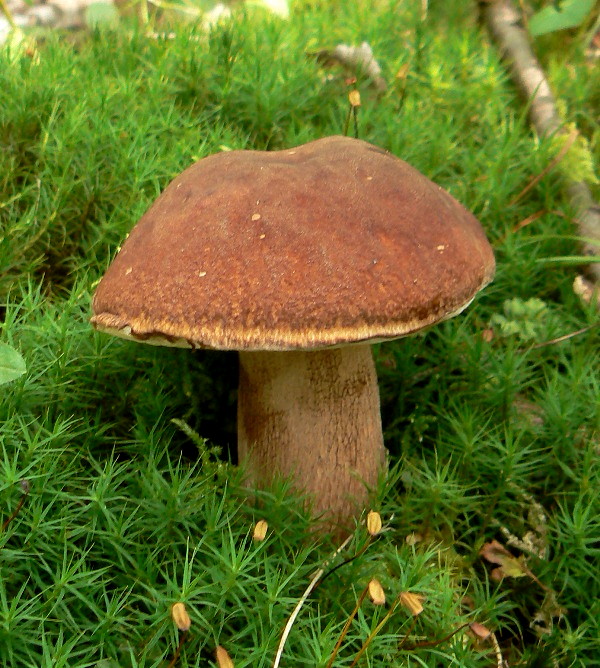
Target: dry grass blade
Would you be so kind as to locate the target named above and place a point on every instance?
(340, 640)
(564, 337)
(536, 179)
(530, 219)
(312, 584)
(25, 487)
(374, 632)
(4, 8)
(499, 658)
(175, 658)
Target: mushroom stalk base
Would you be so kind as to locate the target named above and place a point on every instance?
(313, 417)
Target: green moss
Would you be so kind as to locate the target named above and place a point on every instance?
(128, 510)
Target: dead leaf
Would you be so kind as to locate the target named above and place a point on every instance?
(543, 620)
(586, 290)
(413, 538)
(509, 565)
(535, 541)
(482, 632)
(531, 413)
(488, 335)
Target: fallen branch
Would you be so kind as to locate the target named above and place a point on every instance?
(586, 291)
(504, 23)
(356, 59)
(5, 9)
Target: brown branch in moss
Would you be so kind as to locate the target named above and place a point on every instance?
(354, 58)
(504, 23)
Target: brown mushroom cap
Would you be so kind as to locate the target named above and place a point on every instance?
(336, 241)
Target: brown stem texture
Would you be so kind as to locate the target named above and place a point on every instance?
(313, 416)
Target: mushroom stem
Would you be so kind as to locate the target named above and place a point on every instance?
(313, 417)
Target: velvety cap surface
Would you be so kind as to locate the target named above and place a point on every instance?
(334, 241)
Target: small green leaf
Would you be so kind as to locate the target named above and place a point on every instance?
(12, 365)
(572, 13)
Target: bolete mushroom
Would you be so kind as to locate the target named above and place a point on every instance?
(299, 259)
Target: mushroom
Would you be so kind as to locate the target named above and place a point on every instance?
(299, 259)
